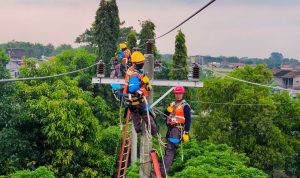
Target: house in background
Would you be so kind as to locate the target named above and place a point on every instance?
(290, 67)
(16, 60)
(289, 79)
(231, 65)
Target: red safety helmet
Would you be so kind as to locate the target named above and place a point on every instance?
(179, 89)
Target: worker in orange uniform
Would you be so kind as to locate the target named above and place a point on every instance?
(124, 56)
(135, 91)
(178, 117)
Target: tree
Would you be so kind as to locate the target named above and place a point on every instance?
(276, 56)
(179, 59)
(124, 31)
(4, 59)
(35, 50)
(41, 172)
(131, 40)
(107, 29)
(246, 119)
(146, 33)
(59, 125)
(61, 48)
(203, 159)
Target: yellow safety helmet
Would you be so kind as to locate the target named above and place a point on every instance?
(123, 45)
(137, 57)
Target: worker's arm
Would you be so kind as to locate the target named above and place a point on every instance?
(146, 81)
(188, 118)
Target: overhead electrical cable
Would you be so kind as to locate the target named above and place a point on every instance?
(45, 77)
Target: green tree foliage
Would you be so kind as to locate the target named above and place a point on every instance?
(40, 172)
(131, 39)
(4, 59)
(253, 127)
(124, 31)
(61, 125)
(179, 59)
(10, 139)
(87, 37)
(107, 29)
(61, 48)
(203, 159)
(146, 33)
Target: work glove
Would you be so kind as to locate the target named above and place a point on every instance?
(186, 137)
(170, 109)
(148, 87)
(145, 79)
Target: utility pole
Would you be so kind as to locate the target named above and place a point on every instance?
(133, 155)
(146, 144)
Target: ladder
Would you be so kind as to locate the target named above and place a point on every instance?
(125, 149)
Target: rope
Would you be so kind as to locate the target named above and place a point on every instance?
(46, 77)
(181, 133)
(120, 114)
(161, 153)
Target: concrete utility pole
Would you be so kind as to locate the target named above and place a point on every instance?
(146, 144)
(133, 155)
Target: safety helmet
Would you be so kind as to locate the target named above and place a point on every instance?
(123, 45)
(178, 89)
(137, 57)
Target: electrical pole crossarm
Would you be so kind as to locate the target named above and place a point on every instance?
(170, 83)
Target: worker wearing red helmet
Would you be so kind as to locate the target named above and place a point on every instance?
(178, 117)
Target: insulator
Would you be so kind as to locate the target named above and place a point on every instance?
(196, 71)
(100, 69)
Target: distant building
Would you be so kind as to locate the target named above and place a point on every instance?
(214, 64)
(16, 60)
(231, 65)
(288, 79)
(290, 67)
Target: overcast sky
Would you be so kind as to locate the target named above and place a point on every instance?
(252, 28)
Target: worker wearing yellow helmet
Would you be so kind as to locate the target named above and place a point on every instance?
(122, 58)
(135, 90)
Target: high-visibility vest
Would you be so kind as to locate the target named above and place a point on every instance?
(132, 72)
(127, 55)
(177, 116)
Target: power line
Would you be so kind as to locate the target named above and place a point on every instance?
(45, 77)
(198, 11)
(238, 104)
(241, 80)
(253, 83)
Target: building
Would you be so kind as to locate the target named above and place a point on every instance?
(231, 65)
(290, 67)
(16, 60)
(288, 79)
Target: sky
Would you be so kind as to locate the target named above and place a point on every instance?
(242, 28)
